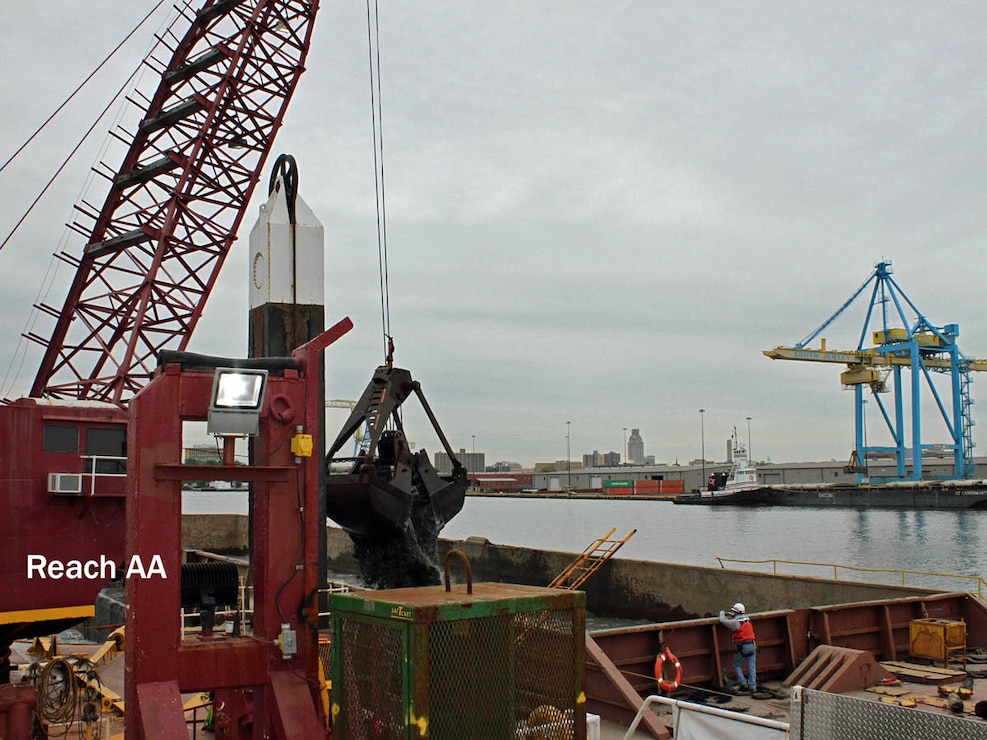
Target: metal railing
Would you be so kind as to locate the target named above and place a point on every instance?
(718, 718)
(973, 584)
(92, 469)
(244, 609)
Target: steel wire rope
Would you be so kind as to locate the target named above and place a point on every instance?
(650, 677)
(58, 693)
(81, 85)
(84, 136)
(65, 161)
(48, 280)
(69, 692)
(376, 115)
(45, 288)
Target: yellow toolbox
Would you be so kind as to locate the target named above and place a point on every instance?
(937, 639)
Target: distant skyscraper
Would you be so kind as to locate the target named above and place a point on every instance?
(635, 448)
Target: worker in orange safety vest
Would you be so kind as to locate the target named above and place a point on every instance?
(736, 620)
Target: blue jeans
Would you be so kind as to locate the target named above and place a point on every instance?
(746, 653)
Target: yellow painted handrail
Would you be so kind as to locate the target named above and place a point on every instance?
(980, 583)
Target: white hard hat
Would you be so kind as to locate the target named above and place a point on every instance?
(738, 608)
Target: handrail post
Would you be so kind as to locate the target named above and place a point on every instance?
(981, 582)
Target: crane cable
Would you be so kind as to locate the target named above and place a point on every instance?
(373, 49)
(85, 136)
(10, 374)
(48, 281)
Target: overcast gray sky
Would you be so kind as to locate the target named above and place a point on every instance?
(598, 212)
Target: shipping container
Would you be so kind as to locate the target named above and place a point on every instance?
(498, 484)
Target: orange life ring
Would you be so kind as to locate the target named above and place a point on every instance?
(663, 683)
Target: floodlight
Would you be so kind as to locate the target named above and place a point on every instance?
(235, 404)
(235, 390)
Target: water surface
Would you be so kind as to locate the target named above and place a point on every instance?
(935, 541)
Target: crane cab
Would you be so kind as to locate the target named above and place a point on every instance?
(63, 484)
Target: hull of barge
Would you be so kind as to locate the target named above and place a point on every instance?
(929, 496)
(932, 496)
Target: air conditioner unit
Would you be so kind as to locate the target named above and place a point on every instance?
(64, 483)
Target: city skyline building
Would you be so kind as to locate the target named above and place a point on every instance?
(596, 459)
(474, 462)
(635, 447)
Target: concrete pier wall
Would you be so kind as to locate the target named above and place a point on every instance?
(662, 592)
(225, 533)
(624, 589)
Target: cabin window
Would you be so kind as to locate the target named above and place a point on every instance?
(60, 438)
(108, 443)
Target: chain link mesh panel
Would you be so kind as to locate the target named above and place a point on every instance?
(500, 673)
(370, 694)
(469, 678)
(496, 676)
(325, 656)
(818, 715)
(545, 675)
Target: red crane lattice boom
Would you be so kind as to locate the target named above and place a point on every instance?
(156, 247)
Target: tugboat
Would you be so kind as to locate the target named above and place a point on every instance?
(737, 487)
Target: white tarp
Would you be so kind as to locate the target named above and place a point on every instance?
(692, 725)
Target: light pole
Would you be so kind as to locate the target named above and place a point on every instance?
(568, 464)
(750, 455)
(702, 443)
(625, 446)
(473, 458)
(863, 454)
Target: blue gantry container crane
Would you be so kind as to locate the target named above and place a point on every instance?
(905, 341)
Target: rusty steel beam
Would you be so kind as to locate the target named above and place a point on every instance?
(630, 696)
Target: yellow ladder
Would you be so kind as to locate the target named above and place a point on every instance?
(589, 561)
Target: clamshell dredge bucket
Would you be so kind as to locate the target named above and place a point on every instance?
(385, 480)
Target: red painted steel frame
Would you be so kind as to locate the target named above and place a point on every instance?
(159, 663)
(156, 246)
(85, 526)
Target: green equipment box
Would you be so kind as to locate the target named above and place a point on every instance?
(488, 660)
